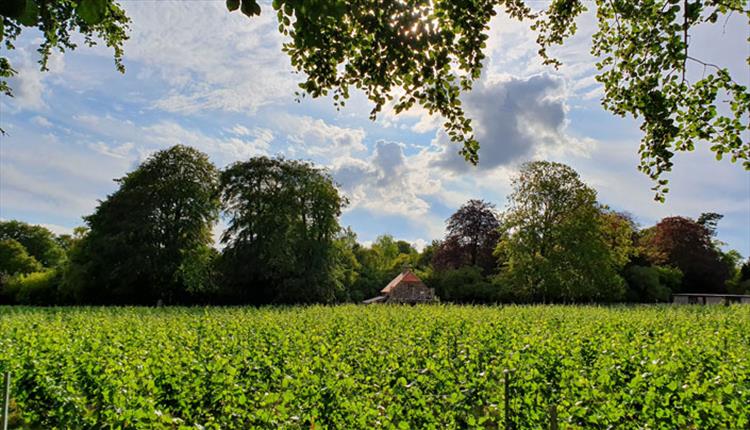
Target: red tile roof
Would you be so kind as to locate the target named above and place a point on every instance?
(405, 276)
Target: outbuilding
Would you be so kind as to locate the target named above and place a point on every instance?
(404, 288)
(709, 299)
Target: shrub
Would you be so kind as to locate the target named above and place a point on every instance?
(463, 285)
(38, 288)
(651, 283)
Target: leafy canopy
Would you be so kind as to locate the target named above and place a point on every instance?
(146, 238)
(282, 224)
(37, 240)
(687, 245)
(555, 240)
(471, 239)
(15, 260)
(58, 21)
(426, 52)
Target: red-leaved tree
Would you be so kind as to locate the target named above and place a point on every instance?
(687, 245)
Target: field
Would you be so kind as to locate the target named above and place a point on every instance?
(354, 367)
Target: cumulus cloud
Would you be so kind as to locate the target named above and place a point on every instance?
(315, 137)
(383, 183)
(514, 118)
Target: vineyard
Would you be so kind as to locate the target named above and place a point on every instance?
(354, 367)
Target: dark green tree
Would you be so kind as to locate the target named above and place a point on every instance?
(554, 246)
(283, 224)
(149, 240)
(38, 241)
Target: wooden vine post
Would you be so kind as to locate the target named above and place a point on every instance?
(6, 401)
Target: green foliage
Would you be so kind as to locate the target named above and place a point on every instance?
(644, 65)
(739, 282)
(463, 285)
(59, 21)
(423, 367)
(37, 288)
(380, 263)
(38, 241)
(472, 235)
(15, 260)
(282, 223)
(146, 238)
(687, 245)
(652, 283)
(554, 246)
(409, 53)
(346, 268)
(427, 52)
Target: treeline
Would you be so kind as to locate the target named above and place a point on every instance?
(151, 241)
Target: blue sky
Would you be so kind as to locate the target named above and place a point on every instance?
(200, 76)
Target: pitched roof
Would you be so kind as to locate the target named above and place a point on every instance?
(377, 299)
(405, 276)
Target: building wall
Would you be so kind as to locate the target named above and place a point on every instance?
(411, 293)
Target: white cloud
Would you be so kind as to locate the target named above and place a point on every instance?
(386, 182)
(209, 58)
(240, 130)
(29, 89)
(58, 229)
(419, 244)
(115, 137)
(515, 119)
(315, 137)
(117, 151)
(41, 121)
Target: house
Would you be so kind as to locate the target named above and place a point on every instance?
(404, 288)
(709, 299)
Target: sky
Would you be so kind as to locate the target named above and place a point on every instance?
(218, 81)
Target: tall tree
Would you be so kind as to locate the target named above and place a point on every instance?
(687, 245)
(38, 241)
(554, 247)
(283, 221)
(426, 52)
(473, 232)
(146, 238)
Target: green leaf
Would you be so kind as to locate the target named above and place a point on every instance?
(92, 11)
(250, 8)
(12, 8)
(233, 5)
(30, 15)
